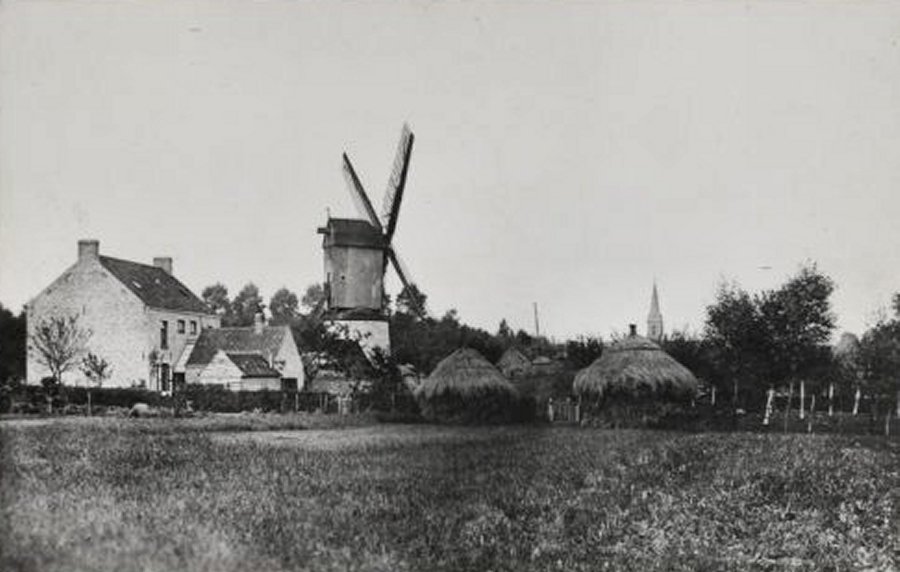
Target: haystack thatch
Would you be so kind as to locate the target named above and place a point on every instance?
(465, 372)
(466, 387)
(635, 368)
(513, 363)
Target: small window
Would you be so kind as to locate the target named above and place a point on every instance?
(164, 335)
(193, 327)
(180, 326)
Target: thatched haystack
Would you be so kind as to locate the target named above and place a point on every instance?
(465, 387)
(635, 369)
(513, 363)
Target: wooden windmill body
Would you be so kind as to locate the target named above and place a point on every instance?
(356, 255)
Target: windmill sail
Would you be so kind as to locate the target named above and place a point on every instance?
(360, 199)
(408, 284)
(394, 192)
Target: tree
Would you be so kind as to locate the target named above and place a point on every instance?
(504, 331)
(879, 359)
(411, 301)
(97, 370)
(13, 344)
(693, 352)
(58, 342)
(583, 351)
(216, 298)
(798, 324)
(284, 307)
(736, 340)
(246, 305)
(313, 299)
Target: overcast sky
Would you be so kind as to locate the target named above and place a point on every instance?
(567, 153)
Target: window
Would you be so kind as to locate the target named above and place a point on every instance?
(180, 326)
(193, 328)
(164, 335)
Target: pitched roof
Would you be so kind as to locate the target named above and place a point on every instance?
(351, 232)
(252, 365)
(237, 340)
(154, 286)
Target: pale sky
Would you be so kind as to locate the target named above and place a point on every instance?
(567, 153)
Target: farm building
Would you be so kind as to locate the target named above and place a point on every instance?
(513, 363)
(464, 386)
(635, 368)
(208, 359)
(140, 317)
(241, 371)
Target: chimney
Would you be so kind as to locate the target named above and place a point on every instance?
(258, 323)
(88, 249)
(164, 262)
(633, 328)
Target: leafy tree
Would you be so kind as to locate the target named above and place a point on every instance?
(246, 305)
(583, 351)
(216, 298)
(97, 370)
(13, 336)
(314, 298)
(879, 359)
(411, 301)
(504, 331)
(798, 324)
(735, 334)
(284, 307)
(693, 352)
(58, 342)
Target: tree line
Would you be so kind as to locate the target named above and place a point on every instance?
(750, 342)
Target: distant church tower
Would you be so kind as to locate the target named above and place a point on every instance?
(654, 319)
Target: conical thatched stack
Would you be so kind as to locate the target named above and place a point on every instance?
(513, 363)
(466, 387)
(635, 368)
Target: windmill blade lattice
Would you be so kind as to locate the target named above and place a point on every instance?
(358, 193)
(393, 195)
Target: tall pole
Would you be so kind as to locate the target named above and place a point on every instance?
(537, 324)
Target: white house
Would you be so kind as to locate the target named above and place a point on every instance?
(219, 355)
(140, 316)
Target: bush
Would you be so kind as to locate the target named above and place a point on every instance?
(116, 397)
(495, 407)
(217, 398)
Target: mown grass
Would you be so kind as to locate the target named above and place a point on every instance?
(115, 497)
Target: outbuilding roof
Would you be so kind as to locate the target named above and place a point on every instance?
(265, 342)
(154, 286)
(252, 365)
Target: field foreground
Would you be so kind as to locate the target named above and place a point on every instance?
(121, 495)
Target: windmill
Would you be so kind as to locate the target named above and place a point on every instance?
(357, 253)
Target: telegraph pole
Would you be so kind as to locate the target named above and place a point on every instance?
(537, 323)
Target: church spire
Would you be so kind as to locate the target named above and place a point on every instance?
(654, 319)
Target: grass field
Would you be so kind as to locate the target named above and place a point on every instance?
(118, 494)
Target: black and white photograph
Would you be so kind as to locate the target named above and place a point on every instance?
(482, 285)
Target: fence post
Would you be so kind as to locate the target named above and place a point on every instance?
(770, 397)
(812, 411)
(802, 400)
(887, 423)
(856, 398)
(712, 397)
(550, 410)
(787, 409)
(831, 399)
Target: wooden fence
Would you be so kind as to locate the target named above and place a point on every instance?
(563, 410)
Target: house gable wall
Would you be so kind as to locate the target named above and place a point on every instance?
(293, 363)
(220, 371)
(103, 305)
